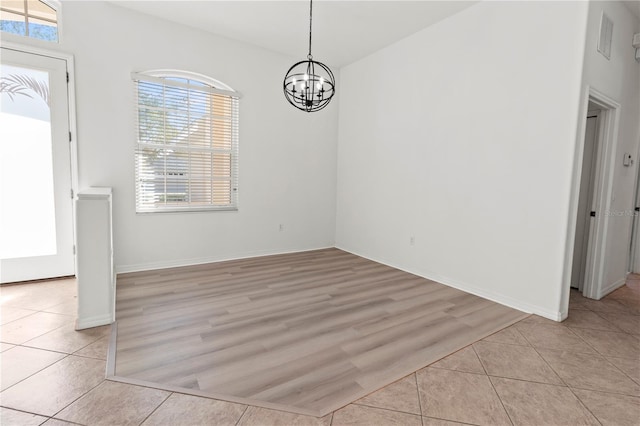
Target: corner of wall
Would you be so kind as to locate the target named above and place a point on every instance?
(574, 189)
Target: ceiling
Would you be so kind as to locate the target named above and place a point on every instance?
(634, 7)
(343, 31)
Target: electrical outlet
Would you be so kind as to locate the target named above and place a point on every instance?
(412, 241)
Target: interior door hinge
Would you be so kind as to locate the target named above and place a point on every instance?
(74, 249)
(70, 137)
(67, 77)
(72, 193)
(593, 214)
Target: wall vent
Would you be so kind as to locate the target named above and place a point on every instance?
(606, 34)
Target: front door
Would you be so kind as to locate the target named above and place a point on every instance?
(36, 210)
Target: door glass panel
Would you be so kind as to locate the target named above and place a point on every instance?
(27, 207)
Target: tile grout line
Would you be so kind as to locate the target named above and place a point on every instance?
(606, 358)
(415, 379)
(67, 421)
(609, 322)
(532, 381)
(587, 343)
(603, 391)
(66, 355)
(456, 421)
(74, 353)
(583, 404)
(544, 360)
(89, 344)
(563, 381)
(242, 415)
(77, 399)
(500, 399)
(47, 418)
(385, 409)
(156, 409)
(478, 358)
(515, 329)
(419, 399)
(419, 396)
(88, 357)
(491, 383)
(18, 319)
(460, 371)
(24, 345)
(43, 368)
(503, 343)
(39, 335)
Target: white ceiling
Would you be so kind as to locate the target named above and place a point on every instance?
(634, 7)
(343, 31)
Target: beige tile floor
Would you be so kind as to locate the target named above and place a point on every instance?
(585, 370)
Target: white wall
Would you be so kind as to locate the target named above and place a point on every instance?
(287, 157)
(619, 79)
(463, 136)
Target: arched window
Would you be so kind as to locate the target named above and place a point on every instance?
(30, 18)
(187, 142)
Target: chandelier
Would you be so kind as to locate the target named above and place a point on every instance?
(309, 85)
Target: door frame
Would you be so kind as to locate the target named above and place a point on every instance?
(71, 102)
(597, 114)
(634, 247)
(606, 146)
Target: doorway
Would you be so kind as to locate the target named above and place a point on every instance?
(601, 180)
(36, 217)
(586, 199)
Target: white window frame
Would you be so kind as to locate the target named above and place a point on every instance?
(212, 86)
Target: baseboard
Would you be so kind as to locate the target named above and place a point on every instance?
(95, 321)
(123, 269)
(470, 288)
(611, 287)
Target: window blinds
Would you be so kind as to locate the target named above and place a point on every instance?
(187, 145)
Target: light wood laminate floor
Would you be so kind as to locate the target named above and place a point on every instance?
(305, 332)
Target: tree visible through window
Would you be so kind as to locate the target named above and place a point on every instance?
(187, 144)
(30, 18)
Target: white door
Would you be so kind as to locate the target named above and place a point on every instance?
(634, 261)
(36, 210)
(585, 204)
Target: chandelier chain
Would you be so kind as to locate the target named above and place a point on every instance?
(310, 20)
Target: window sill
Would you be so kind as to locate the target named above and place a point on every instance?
(188, 210)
